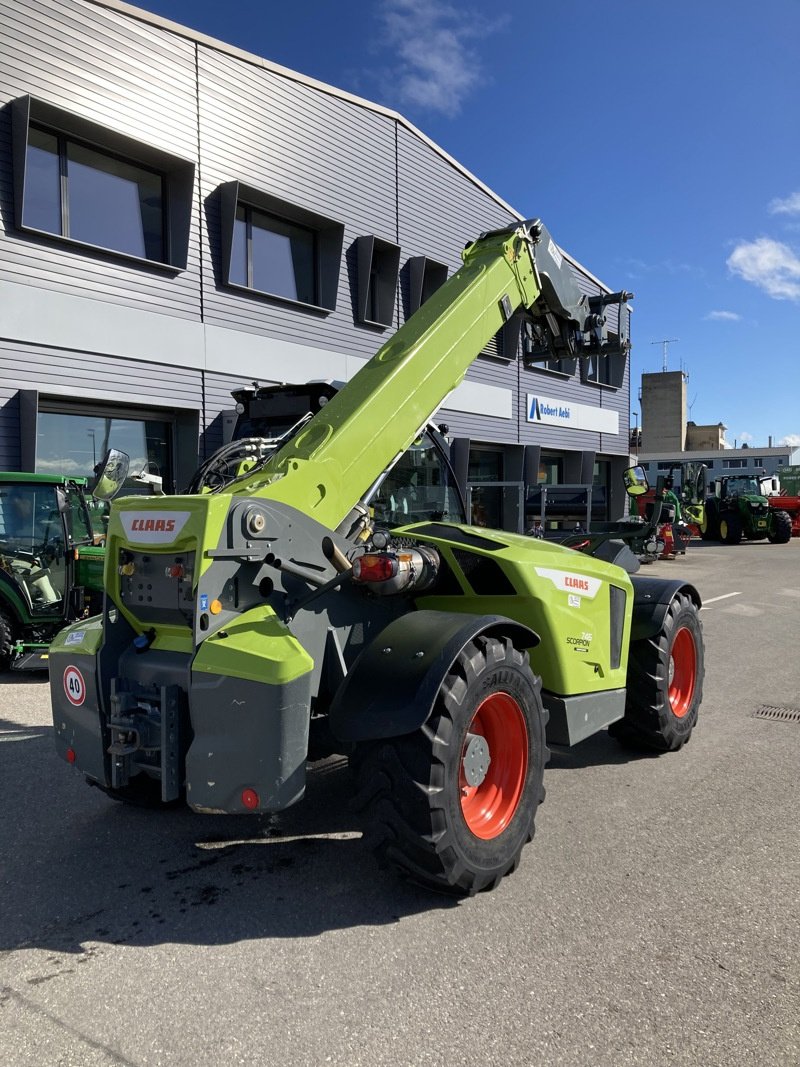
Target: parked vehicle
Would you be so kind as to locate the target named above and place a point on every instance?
(331, 597)
(51, 564)
(737, 508)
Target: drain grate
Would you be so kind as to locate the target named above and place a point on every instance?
(779, 713)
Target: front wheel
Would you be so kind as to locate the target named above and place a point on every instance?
(780, 528)
(452, 805)
(665, 682)
(730, 528)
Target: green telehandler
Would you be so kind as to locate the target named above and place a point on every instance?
(332, 598)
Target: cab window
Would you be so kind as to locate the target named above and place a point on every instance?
(419, 488)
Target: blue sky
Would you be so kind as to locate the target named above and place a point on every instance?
(660, 143)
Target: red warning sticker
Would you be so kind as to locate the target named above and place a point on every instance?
(74, 686)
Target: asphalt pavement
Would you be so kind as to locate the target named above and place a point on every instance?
(654, 918)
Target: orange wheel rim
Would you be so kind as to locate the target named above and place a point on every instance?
(683, 672)
(489, 806)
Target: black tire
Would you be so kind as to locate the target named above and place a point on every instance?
(7, 640)
(781, 528)
(730, 528)
(709, 527)
(425, 819)
(665, 682)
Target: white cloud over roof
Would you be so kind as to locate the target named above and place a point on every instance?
(768, 264)
(436, 67)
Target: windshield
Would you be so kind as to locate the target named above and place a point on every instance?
(32, 550)
(419, 488)
(744, 484)
(29, 517)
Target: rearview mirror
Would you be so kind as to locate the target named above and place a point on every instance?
(701, 484)
(635, 480)
(109, 475)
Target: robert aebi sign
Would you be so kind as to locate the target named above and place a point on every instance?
(550, 411)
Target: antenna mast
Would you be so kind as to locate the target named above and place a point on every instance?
(665, 343)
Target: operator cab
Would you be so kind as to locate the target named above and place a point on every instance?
(420, 487)
(39, 523)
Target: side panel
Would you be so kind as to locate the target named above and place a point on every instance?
(581, 606)
(75, 699)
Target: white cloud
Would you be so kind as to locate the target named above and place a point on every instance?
(436, 68)
(768, 264)
(745, 436)
(789, 205)
(723, 316)
(791, 439)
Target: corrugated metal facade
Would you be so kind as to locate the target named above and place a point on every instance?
(108, 330)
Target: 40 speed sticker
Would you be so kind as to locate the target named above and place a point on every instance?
(74, 686)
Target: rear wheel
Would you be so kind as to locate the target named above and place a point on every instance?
(7, 640)
(665, 682)
(452, 805)
(709, 524)
(780, 528)
(730, 528)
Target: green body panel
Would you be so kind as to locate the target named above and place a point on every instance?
(376, 416)
(197, 522)
(81, 638)
(562, 595)
(21, 477)
(90, 566)
(257, 647)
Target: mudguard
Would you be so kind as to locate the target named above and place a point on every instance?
(391, 688)
(651, 600)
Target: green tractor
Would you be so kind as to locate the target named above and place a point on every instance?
(51, 565)
(737, 508)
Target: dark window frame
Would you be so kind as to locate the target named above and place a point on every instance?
(328, 242)
(378, 267)
(614, 364)
(425, 276)
(176, 174)
(250, 265)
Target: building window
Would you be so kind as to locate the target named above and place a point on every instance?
(90, 186)
(72, 443)
(274, 256)
(77, 192)
(733, 464)
(277, 249)
(602, 369)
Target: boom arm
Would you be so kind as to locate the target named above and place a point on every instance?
(374, 418)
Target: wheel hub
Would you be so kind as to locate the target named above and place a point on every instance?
(476, 760)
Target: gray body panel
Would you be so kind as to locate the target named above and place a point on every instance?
(573, 719)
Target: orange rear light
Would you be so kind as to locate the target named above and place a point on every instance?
(374, 567)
